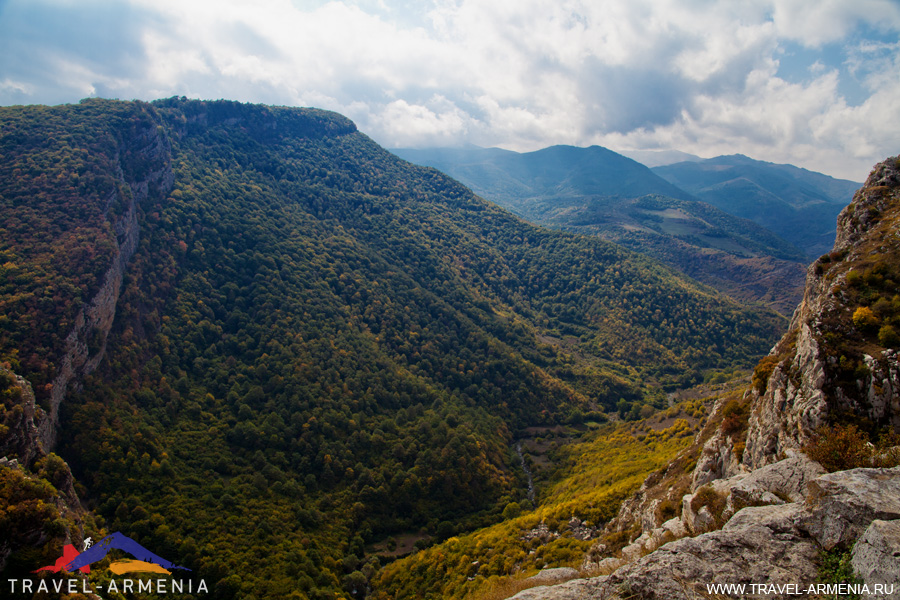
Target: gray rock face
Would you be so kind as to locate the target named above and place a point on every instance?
(577, 589)
(681, 570)
(717, 459)
(876, 557)
(792, 407)
(779, 518)
(883, 390)
(785, 479)
(843, 504)
(551, 575)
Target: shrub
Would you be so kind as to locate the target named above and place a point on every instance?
(836, 568)
(763, 371)
(864, 318)
(512, 510)
(888, 337)
(840, 448)
(734, 417)
(710, 498)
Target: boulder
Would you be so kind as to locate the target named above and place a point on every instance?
(577, 589)
(558, 574)
(779, 518)
(680, 570)
(876, 557)
(675, 527)
(786, 478)
(844, 504)
(609, 564)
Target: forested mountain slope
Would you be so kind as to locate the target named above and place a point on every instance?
(599, 192)
(316, 344)
(799, 205)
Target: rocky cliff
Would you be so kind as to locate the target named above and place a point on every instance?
(39, 499)
(750, 507)
(830, 364)
(37, 490)
(86, 342)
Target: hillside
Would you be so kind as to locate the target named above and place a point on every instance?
(800, 206)
(791, 486)
(599, 192)
(263, 343)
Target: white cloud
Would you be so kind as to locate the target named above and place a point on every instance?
(823, 21)
(696, 75)
(438, 124)
(8, 85)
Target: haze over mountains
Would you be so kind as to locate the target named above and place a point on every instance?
(745, 227)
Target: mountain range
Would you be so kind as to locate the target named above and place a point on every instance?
(246, 328)
(249, 339)
(799, 205)
(752, 247)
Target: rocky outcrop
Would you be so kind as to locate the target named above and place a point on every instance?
(876, 557)
(793, 405)
(798, 396)
(577, 589)
(844, 504)
(717, 459)
(770, 545)
(22, 452)
(82, 352)
(21, 438)
(557, 574)
(786, 479)
(757, 554)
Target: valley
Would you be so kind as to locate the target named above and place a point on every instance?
(269, 349)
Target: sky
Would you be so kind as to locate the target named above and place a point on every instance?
(811, 83)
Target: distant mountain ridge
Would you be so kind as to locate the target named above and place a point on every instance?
(522, 182)
(594, 191)
(658, 158)
(799, 205)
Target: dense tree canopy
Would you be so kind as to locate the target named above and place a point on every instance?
(318, 344)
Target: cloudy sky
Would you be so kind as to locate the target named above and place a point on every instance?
(812, 83)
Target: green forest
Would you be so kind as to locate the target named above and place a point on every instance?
(317, 345)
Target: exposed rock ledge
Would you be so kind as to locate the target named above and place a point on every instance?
(772, 544)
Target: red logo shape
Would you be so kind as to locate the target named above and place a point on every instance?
(69, 554)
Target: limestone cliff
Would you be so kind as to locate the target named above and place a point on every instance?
(825, 366)
(95, 318)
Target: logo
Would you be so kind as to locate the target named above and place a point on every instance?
(144, 561)
(141, 561)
